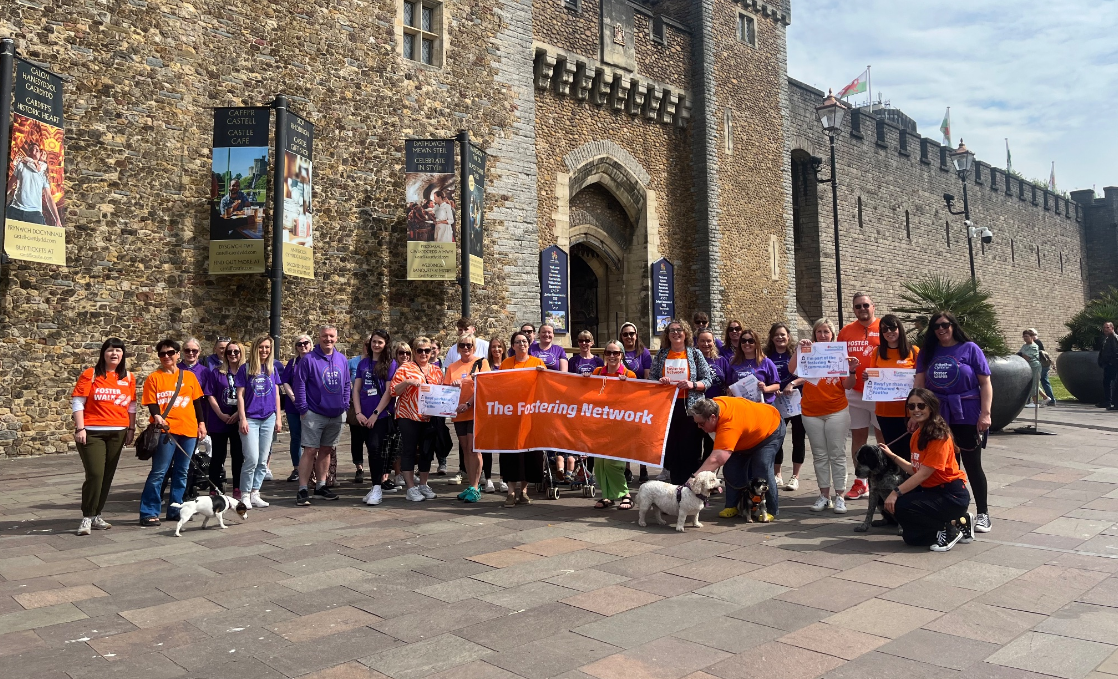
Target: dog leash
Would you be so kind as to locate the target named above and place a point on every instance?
(192, 466)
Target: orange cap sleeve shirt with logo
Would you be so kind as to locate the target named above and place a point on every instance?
(861, 343)
(407, 404)
(107, 398)
(743, 424)
(458, 374)
(825, 398)
(939, 455)
(158, 388)
(511, 363)
(892, 408)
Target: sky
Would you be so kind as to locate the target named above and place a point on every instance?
(1045, 75)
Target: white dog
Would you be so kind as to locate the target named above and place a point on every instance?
(682, 501)
(209, 507)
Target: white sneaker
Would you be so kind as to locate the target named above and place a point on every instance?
(84, 526)
(489, 487)
(256, 501)
(101, 524)
(456, 480)
(374, 496)
(441, 469)
(414, 494)
(821, 503)
(267, 474)
(502, 487)
(427, 492)
(779, 482)
(840, 505)
(400, 481)
(793, 483)
(664, 475)
(1027, 405)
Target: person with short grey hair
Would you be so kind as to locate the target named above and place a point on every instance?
(322, 394)
(294, 426)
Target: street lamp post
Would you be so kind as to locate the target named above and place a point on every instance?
(963, 160)
(831, 113)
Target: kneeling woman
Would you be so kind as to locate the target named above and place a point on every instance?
(931, 505)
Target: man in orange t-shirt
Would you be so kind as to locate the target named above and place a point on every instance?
(746, 438)
(862, 338)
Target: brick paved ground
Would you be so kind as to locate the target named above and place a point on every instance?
(558, 589)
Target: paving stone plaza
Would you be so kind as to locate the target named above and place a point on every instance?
(559, 589)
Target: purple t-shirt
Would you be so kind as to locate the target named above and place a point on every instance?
(718, 367)
(951, 373)
(550, 357)
(584, 366)
(373, 388)
(222, 387)
(260, 392)
(781, 362)
(727, 350)
(765, 371)
(286, 376)
(638, 363)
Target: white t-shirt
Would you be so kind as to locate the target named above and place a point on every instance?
(29, 195)
(481, 350)
(444, 223)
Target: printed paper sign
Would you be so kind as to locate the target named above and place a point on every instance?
(822, 359)
(747, 387)
(789, 406)
(439, 400)
(888, 384)
(675, 369)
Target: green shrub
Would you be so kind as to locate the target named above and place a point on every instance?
(971, 306)
(1086, 326)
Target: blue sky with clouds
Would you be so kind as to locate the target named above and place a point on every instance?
(1045, 75)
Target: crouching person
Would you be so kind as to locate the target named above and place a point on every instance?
(931, 505)
(747, 436)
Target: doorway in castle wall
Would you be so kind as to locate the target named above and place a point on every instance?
(805, 234)
(584, 289)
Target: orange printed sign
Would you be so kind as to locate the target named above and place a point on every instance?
(520, 410)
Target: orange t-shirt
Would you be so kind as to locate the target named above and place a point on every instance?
(511, 363)
(601, 370)
(458, 374)
(106, 398)
(892, 408)
(861, 342)
(677, 376)
(826, 398)
(158, 388)
(743, 424)
(407, 404)
(939, 455)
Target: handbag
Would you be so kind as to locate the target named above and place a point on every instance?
(1045, 359)
(148, 442)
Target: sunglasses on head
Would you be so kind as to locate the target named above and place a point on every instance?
(612, 353)
(168, 353)
(942, 325)
(862, 306)
(916, 406)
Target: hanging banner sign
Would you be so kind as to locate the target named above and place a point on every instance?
(475, 216)
(36, 197)
(520, 410)
(239, 190)
(431, 187)
(663, 293)
(554, 302)
(298, 225)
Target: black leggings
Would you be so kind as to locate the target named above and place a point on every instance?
(923, 512)
(798, 436)
(526, 467)
(683, 454)
(373, 438)
(221, 445)
(970, 450)
(413, 436)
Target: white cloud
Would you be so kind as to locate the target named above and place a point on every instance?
(1043, 75)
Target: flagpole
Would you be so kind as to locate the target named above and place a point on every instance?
(869, 86)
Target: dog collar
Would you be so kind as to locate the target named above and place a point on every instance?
(679, 496)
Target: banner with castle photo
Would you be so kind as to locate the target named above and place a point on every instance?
(35, 201)
(431, 187)
(239, 190)
(298, 226)
(475, 211)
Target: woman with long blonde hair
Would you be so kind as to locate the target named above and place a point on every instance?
(258, 406)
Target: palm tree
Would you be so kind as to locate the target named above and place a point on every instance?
(1086, 326)
(969, 302)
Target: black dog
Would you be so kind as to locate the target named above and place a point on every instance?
(884, 476)
(754, 506)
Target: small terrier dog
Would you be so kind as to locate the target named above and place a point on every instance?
(884, 475)
(209, 506)
(683, 501)
(754, 505)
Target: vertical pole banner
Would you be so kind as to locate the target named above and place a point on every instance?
(475, 197)
(298, 227)
(553, 288)
(35, 199)
(431, 187)
(663, 293)
(238, 190)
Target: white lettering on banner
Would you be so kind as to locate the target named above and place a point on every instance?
(570, 410)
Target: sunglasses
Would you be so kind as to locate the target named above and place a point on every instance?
(235, 352)
(748, 341)
(675, 331)
(585, 341)
(403, 353)
(167, 354)
(889, 328)
(733, 328)
(423, 351)
(916, 406)
(191, 351)
(628, 334)
(304, 343)
(942, 326)
(612, 353)
(463, 347)
(862, 306)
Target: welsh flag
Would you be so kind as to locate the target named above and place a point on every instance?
(945, 126)
(856, 87)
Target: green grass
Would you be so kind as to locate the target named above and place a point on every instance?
(1058, 388)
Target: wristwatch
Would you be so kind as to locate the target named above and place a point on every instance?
(898, 491)
(375, 412)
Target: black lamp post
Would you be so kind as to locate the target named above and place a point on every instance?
(963, 160)
(831, 113)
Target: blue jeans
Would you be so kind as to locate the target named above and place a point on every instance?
(255, 446)
(1045, 384)
(745, 465)
(151, 500)
(295, 429)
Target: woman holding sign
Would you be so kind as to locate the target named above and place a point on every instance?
(749, 359)
(413, 424)
(826, 420)
(779, 351)
(894, 352)
(521, 468)
(679, 364)
(611, 473)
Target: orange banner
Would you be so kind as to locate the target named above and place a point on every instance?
(520, 410)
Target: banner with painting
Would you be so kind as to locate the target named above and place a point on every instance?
(298, 225)
(239, 190)
(36, 198)
(431, 188)
(475, 215)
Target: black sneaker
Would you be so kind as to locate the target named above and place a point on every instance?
(947, 538)
(303, 498)
(359, 477)
(388, 487)
(628, 477)
(294, 476)
(326, 493)
(966, 527)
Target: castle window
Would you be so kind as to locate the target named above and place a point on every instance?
(859, 212)
(728, 129)
(1037, 256)
(658, 29)
(422, 31)
(947, 229)
(907, 226)
(1012, 252)
(572, 5)
(747, 30)
(774, 258)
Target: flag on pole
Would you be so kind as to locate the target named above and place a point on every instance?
(1052, 178)
(857, 86)
(1008, 158)
(945, 127)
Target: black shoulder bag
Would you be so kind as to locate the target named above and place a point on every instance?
(148, 442)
